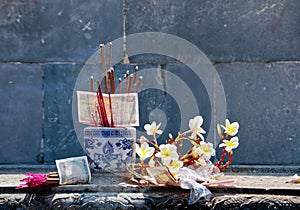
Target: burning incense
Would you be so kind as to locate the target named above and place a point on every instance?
(139, 84)
(113, 84)
(130, 83)
(126, 81)
(119, 85)
(135, 74)
(92, 84)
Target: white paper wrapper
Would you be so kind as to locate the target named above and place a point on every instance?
(124, 107)
(73, 170)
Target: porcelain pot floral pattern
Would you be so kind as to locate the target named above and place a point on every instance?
(110, 149)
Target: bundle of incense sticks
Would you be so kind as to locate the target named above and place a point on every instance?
(131, 84)
(52, 179)
(39, 180)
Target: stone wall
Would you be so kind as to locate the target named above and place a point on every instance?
(252, 44)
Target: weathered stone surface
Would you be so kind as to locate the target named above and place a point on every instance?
(264, 98)
(60, 138)
(20, 113)
(144, 201)
(112, 192)
(225, 31)
(39, 31)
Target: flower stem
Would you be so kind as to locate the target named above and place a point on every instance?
(155, 141)
(230, 159)
(222, 158)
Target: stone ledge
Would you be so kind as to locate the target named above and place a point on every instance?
(157, 200)
(109, 191)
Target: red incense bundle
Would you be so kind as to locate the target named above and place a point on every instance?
(102, 110)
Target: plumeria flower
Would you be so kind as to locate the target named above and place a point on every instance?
(167, 153)
(195, 126)
(144, 151)
(230, 145)
(206, 150)
(152, 128)
(231, 128)
(176, 164)
(174, 167)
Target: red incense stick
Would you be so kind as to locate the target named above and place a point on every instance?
(102, 105)
(100, 116)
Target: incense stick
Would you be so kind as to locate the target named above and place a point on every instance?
(130, 83)
(102, 52)
(108, 81)
(126, 81)
(110, 55)
(139, 84)
(119, 85)
(113, 84)
(135, 74)
(111, 112)
(100, 115)
(92, 84)
(102, 106)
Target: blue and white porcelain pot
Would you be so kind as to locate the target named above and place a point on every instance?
(110, 149)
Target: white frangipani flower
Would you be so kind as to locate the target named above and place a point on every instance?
(231, 128)
(231, 144)
(176, 164)
(152, 128)
(167, 152)
(195, 126)
(206, 150)
(144, 151)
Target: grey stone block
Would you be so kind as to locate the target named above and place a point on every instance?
(225, 31)
(20, 113)
(264, 99)
(39, 31)
(60, 138)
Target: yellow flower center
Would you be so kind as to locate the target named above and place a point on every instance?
(231, 129)
(230, 144)
(143, 151)
(205, 149)
(166, 152)
(175, 164)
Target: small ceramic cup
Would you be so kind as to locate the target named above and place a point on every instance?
(110, 149)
